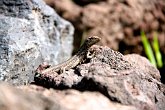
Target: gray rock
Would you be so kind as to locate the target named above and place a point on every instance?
(129, 80)
(30, 33)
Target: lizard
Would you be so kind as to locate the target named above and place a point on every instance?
(74, 60)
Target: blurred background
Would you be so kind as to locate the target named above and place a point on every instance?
(128, 26)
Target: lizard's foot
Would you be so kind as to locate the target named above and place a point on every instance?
(62, 70)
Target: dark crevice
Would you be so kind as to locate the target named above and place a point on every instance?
(87, 84)
(86, 2)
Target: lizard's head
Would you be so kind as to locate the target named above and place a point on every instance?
(92, 40)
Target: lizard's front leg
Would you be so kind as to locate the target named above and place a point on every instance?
(90, 54)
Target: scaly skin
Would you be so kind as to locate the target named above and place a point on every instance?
(76, 59)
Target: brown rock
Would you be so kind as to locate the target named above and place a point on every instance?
(109, 19)
(129, 80)
(16, 99)
(128, 31)
(148, 17)
(154, 25)
(66, 8)
(37, 98)
(143, 64)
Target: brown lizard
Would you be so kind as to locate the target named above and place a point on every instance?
(76, 59)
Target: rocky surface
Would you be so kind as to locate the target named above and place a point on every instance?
(31, 33)
(106, 81)
(129, 80)
(37, 98)
(119, 22)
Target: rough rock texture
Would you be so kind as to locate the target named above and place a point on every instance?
(129, 80)
(31, 32)
(119, 22)
(37, 98)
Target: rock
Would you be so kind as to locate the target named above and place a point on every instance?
(110, 18)
(67, 10)
(17, 99)
(129, 80)
(37, 98)
(31, 33)
(144, 64)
